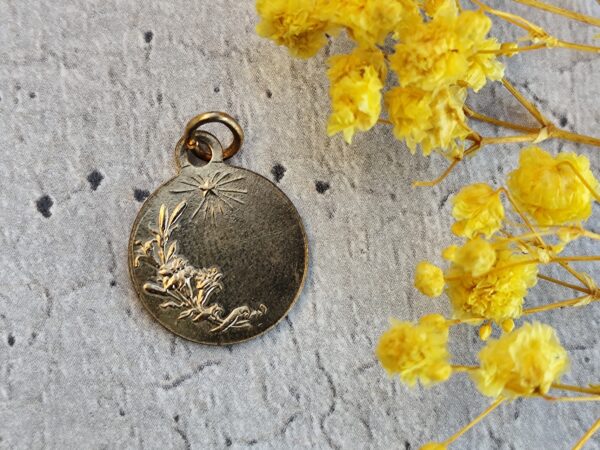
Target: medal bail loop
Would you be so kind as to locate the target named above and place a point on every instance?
(190, 136)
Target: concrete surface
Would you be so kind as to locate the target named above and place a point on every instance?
(94, 95)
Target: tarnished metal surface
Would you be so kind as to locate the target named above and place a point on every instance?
(217, 254)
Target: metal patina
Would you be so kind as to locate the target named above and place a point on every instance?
(217, 254)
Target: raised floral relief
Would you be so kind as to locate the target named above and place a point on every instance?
(183, 286)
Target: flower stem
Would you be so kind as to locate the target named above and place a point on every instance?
(582, 390)
(510, 18)
(501, 123)
(474, 422)
(576, 46)
(522, 215)
(588, 434)
(528, 137)
(529, 106)
(574, 137)
(587, 398)
(582, 179)
(510, 51)
(576, 258)
(439, 179)
(461, 368)
(574, 273)
(557, 305)
(564, 283)
(561, 11)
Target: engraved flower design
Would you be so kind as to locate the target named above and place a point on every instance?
(186, 287)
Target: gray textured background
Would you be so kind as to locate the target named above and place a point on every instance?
(100, 90)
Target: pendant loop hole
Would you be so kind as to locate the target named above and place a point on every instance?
(204, 141)
(191, 141)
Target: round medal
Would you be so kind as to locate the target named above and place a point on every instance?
(217, 254)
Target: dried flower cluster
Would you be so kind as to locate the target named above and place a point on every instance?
(509, 236)
(438, 52)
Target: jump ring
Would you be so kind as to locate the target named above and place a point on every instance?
(192, 144)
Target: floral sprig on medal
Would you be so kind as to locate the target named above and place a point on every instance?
(183, 286)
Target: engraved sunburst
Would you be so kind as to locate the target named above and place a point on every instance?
(218, 191)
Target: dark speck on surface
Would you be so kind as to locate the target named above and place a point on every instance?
(43, 204)
(269, 93)
(148, 35)
(159, 98)
(176, 418)
(140, 194)
(563, 121)
(11, 340)
(228, 442)
(32, 95)
(95, 178)
(278, 172)
(322, 186)
(121, 412)
(217, 89)
(113, 283)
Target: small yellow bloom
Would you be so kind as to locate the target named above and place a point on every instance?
(524, 362)
(433, 121)
(485, 331)
(446, 50)
(476, 257)
(356, 82)
(508, 325)
(416, 351)
(498, 294)
(433, 446)
(478, 210)
(429, 279)
(549, 188)
(449, 253)
(300, 25)
(435, 8)
(370, 21)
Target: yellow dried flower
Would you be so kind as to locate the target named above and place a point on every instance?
(498, 295)
(478, 210)
(429, 279)
(449, 253)
(508, 325)
(300, 25)
(447, 50)
(433, 446)
(356, 82)
(485, 331)
(416, 351)
(440, 7)
(524, 362)
(476, 257)
(434, 121)
(369, 21)
(549, 189)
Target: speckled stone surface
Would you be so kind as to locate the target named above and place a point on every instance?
(94, 95)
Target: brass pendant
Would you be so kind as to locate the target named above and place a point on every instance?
(218, 254)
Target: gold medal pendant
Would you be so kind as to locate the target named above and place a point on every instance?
(218, 254)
